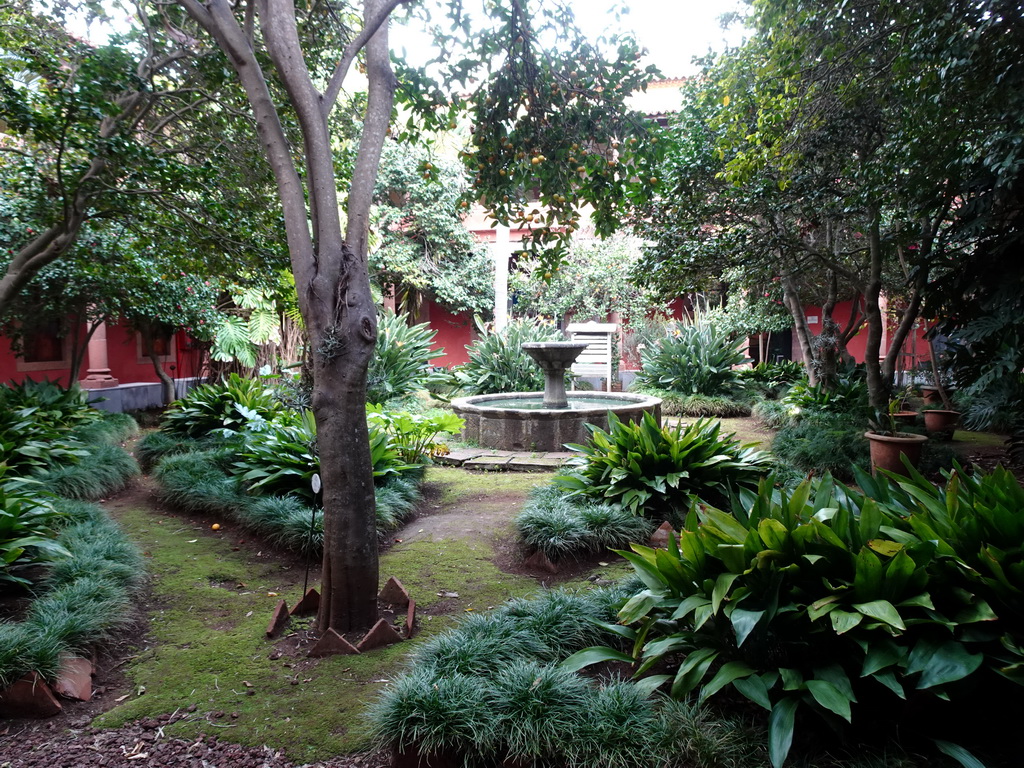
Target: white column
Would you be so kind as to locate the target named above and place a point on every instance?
(500, 249)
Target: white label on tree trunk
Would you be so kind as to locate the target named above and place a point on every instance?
(315, 482)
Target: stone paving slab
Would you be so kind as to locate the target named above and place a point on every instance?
(488, 462)
(458, 457)
(560, 455)
(534, 464)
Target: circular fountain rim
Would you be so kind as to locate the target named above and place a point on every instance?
(628, 400)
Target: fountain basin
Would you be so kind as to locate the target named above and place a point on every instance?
(519, 421)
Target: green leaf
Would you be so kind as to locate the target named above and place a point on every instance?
(754, 688)
(692, 671)
(958, 753)
(882, 610)
(830, 697)
(844, 621)
(743, 623)
(941, 663)
(780, 730)
(594, 655)
(722, 584)
(638, 606)
(724, 676)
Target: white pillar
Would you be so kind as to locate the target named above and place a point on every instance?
(500, 250)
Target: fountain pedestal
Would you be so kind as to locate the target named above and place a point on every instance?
(554, 358)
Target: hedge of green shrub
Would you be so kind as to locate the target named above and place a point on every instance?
(490, 692)
(855, 607)
(55, 448)
(86, 595)
(696, 406)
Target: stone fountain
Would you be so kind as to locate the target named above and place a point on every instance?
(554, 358)
(546, 421)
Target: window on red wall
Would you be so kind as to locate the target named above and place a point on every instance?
(163, 345)
(44, 349)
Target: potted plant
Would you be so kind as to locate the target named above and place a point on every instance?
(940, 421)
(888, 444)
(900, 413)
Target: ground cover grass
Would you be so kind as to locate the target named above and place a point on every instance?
(207, 632)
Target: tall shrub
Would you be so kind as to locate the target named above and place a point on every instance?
(692, 360)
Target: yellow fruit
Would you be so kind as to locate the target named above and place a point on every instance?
(581, 169)
(654, 179)
(536, 160)
(215, 526)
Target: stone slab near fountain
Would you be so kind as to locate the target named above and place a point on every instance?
(546, 421)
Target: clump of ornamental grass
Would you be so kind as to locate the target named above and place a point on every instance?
(560, 525)
(104, 470)
(196, 484)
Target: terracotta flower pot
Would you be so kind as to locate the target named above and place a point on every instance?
(906, 418)
(930, 396)
(941, 422)
(886, 451)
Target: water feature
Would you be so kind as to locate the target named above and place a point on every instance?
(546, 421)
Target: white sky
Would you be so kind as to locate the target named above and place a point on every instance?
(673, 31)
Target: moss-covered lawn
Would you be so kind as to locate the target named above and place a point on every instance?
(212, 597)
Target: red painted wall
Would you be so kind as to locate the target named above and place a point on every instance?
(453, 332)
(915, 348)
(122, 358)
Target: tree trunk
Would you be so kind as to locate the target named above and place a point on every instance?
(169, 392)
(878, 387)
(791, 298)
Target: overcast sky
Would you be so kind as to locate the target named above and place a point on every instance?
(673, 32)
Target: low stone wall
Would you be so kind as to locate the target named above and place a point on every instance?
(491, 425)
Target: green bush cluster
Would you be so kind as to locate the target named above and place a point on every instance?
(848, 396)
(823, 442)
(490, 692)
(497, 362)
(839, 603)
(653, 471)
(105, 466)
(202, 482)
(563, 526)
(229, 404)
(55, 448)
(86, 595)
(694, 359)
(261, 471)
(696, 406)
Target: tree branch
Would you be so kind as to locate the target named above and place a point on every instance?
(330, 95)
